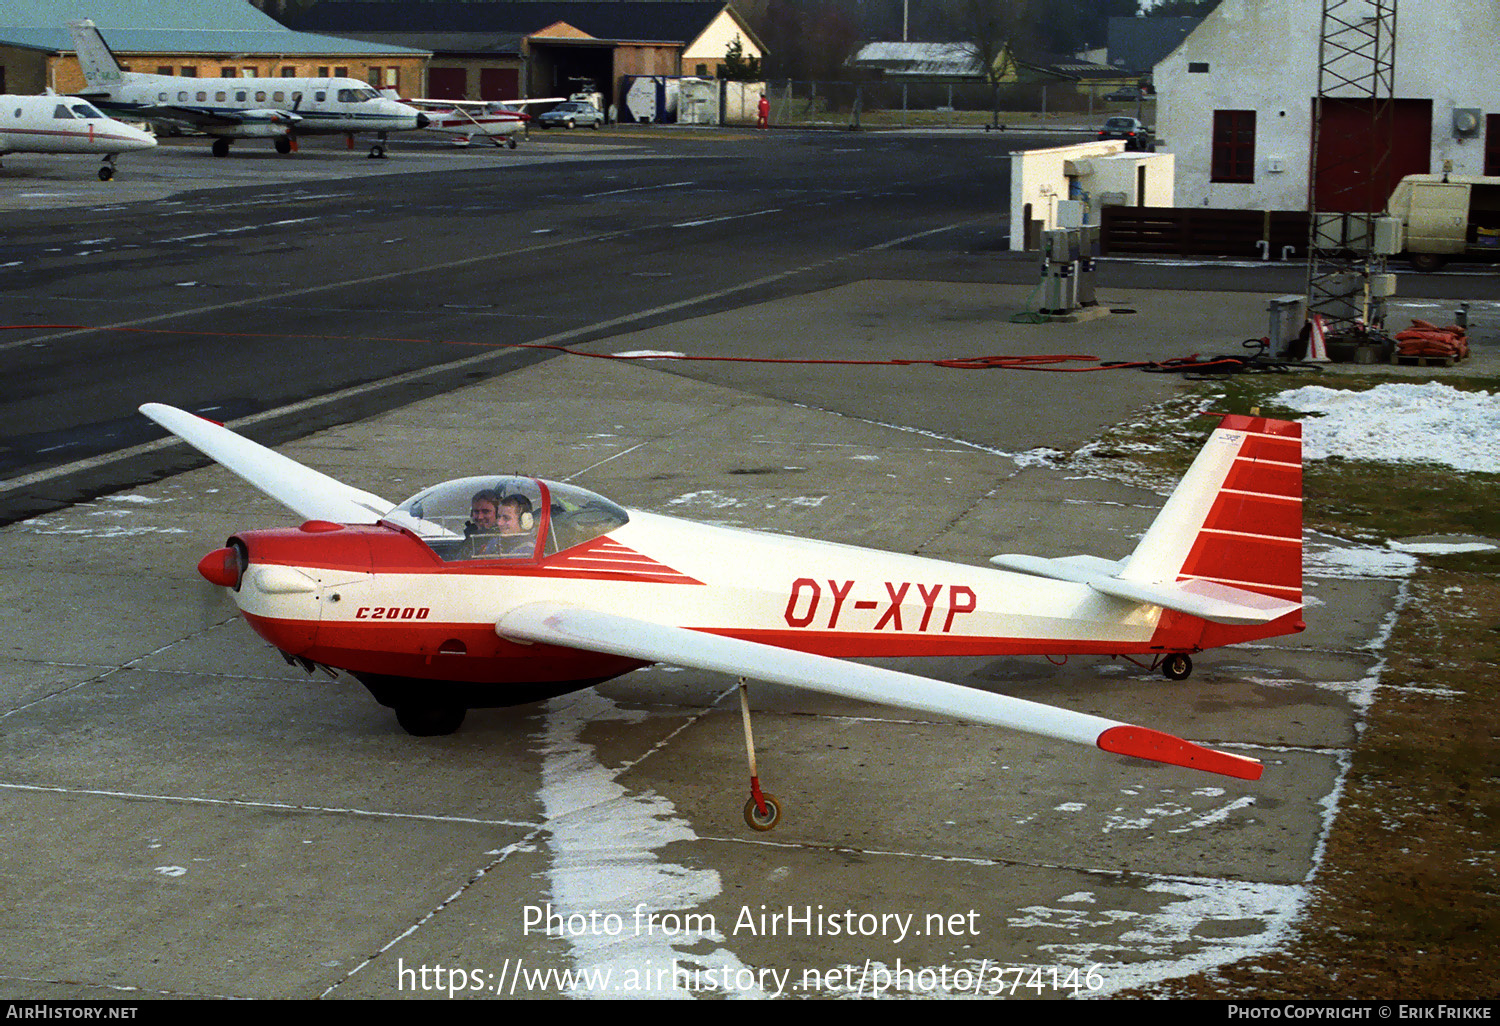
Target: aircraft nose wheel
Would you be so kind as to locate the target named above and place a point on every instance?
(106, 172)
(762, 811)
(1177, 667)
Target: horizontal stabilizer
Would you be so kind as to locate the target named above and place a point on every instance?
(1217, 602)
(595, 631)
(303, 490)
(1078, 569)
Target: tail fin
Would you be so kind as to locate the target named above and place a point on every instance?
(1235, 519)
(100, 69)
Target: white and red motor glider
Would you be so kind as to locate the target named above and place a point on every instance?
(437, 609)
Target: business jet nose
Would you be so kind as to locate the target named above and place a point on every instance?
(139, 140)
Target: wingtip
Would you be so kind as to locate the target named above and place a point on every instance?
(1145, 743)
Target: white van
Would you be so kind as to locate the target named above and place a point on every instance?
(1447, 216)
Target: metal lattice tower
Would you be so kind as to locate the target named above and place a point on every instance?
(1356, 73)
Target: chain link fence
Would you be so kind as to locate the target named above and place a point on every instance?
(956, 104)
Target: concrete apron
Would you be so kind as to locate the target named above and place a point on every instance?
(187, 815)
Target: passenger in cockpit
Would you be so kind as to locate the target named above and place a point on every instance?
(516, 526)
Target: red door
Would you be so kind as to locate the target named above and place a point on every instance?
(499, 84)
(1350, 175)
(447, 83)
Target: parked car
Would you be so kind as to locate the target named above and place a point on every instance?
(1129, 94)
(1135, 133)
(571, 114)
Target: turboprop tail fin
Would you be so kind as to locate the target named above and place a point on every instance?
(100, 69)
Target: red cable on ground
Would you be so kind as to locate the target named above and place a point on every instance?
(1032, 362)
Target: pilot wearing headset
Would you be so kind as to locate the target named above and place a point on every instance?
(516, 526)
(500, 525)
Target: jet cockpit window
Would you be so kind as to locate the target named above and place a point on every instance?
(357, 95)
(83, 110)
(506, 518)
(62, 112)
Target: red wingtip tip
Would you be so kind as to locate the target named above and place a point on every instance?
(1144, 743)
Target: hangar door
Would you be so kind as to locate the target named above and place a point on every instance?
(1346, 179)
(447, 83)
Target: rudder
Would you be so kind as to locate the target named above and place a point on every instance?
(1236, 517)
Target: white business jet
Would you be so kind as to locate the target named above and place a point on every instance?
(65, 124)
(280, 109)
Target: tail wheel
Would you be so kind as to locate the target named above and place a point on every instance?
(1177, 667)
(755, 820)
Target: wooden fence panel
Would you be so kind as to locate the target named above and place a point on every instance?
(1204, 231)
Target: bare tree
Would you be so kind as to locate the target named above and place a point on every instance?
(995, 30)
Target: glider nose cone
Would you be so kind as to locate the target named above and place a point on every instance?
(221, 567)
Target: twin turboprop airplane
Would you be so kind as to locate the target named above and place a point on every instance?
(66, 124)
(501, 589)
(280, 109)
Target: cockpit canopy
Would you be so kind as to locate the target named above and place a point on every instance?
(506, 517)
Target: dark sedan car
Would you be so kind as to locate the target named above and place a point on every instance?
(1136, 135)
(571, 114)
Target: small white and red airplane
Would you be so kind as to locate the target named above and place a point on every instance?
(50, 123)
(496, 120)
(502, 589)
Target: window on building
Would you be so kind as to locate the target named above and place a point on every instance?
(340, 72)
(226, 72)
(1197, 67)
(702, 71)
(190, 71)
(322, 71)
(289, 72)
(1234, 146)
(164, 69)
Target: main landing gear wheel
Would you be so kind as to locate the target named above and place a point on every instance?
(221, 147)
(435, 720)
(1177, 667)
(753, 816)
(762, 811)
(283, 145)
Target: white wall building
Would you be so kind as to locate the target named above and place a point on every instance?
(1098, 173)
(1234, 102)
